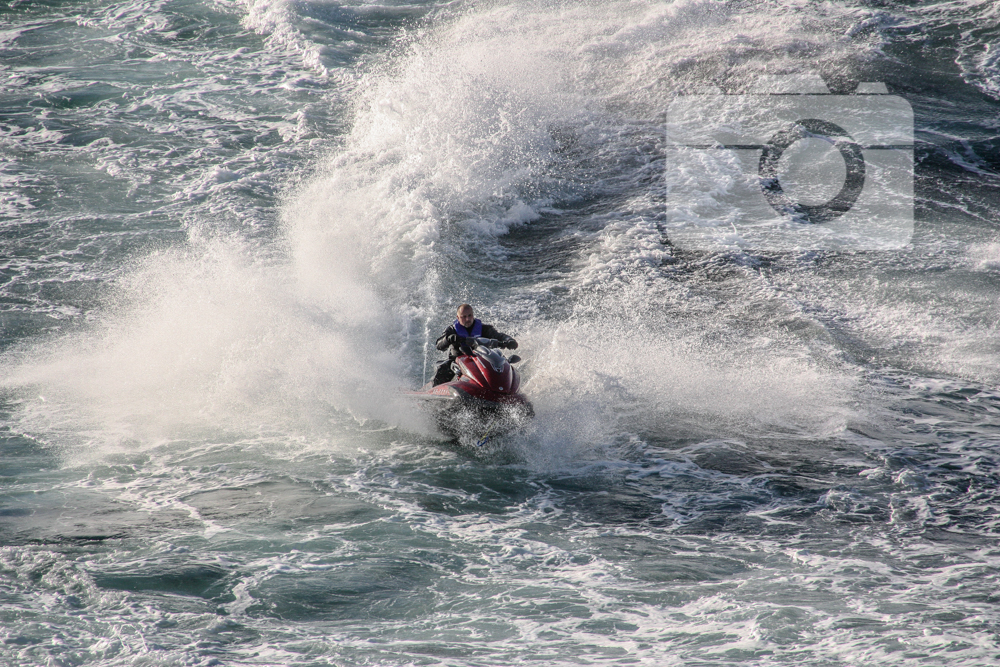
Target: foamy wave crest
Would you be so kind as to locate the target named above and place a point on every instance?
(277, 19)
(455, 138)
(208, 337)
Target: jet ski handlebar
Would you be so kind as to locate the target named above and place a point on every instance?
(473, 344)
(491, 343)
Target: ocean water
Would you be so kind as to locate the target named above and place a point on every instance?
(232, 229)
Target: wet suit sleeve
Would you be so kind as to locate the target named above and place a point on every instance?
(447, 339)
(508, 342)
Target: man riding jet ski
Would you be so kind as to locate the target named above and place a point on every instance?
(456, 336)
(476, 391)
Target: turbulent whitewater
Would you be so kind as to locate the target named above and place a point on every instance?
(233, 229)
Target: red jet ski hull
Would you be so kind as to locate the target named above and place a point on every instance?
(480, 399)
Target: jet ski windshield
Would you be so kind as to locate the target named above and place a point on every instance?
(489, 355)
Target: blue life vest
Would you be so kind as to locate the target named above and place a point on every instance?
(477, 329)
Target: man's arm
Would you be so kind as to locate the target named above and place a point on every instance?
(447, 339)
(505, 340)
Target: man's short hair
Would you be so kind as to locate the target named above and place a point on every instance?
(463, 307)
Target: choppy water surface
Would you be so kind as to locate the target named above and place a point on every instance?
(232, 231)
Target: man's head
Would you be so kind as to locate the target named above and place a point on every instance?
(465, 316)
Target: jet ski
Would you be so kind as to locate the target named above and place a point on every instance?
(484, 399)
